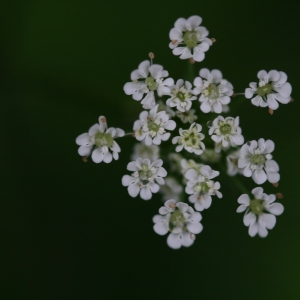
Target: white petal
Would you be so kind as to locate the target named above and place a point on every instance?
(268, 220)
(191, 174)
(84, 150)
(133, 190)
(259, 176)
(244, 199)
(145, 193)
(253, 229)
(174, 241)
(160, 228)
(273, 177)
(97, 156)
(83, 139)
(275, 209)
(249, 219)
(127, 180)
(186, 240)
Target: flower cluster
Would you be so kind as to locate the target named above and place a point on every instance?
(206, 146)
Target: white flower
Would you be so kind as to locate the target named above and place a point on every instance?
(145, 179)
(99, 140)
(226, 131)
(232, 163)
(272, 87)
(187, 164)
(143, 151)
(201, 187)
(180, 220)
(188, 39)
(215, 91)
(171, 189)
(187, 116)
(210, 156)
(145, 83)
(257, 161)
(152, 126)
(190, 139)
(255, 216)
(181, 96)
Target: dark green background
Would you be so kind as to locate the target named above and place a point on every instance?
(69, 230)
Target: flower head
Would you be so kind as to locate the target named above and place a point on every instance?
(145, 179)
(180, 220)
(188, 116)
(181, 96)
(99, 140)
(188, 39)
(147, 79)
(152, 126)
(201, 187)
(272, 87)
(190, 139)
(260, 212)
(215, 91)
(226, 131)
(256, 159)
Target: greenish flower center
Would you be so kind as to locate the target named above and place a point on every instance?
(103, 139)
(258, 159)
(264, 90)
(181, 96)
(191, 38)
(225, 129)
(152, 85)
(191, 139)
(145, 174)
(177, 219)
(256, 206)
(212, 92)
(202, 188)
(153, 126)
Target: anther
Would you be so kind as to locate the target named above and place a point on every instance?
(233, 95)
(174, 42)
(149, 119)
(213, 40)
(172, 205)
(103, 120)
(276, 184)
(151, 55)
(192, 236)
(279, 196)
(292, 100)
(271, 111)
(192, 61)
(199, 197)
(133, 134)
(84, 159)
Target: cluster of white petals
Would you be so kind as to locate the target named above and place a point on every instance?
(187, 164)
(226, 131)
(256, 161)
(145, 179)
(271, 89)
(152, 126)
(201, 187)
(190, 139)
(147, 79)
(188, 39)
(180, 220)
(255, 216)
(214, 91)
(99, 140)
(181, 96)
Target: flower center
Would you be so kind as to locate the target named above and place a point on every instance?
(145, 175)
(177, 220)
(225, 129)
(153, 126)
(264, 90)
(202, 188)
(151, 83)
(103, 139)
(256, 206)
(191, 38)
(258, 159)
(181, 96)
(212, 92)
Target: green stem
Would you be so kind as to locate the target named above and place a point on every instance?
(190, 72)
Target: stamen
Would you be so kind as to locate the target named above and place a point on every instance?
(292, 100)
(133, 134)
(151, 55)
(276, 184)
(279, 196)
(192, 236)
(103, 120)
(213, 40)
(271, 111)
(172, 205)
(192, 61)
(174, 42)
(199, 197)
(84, 159)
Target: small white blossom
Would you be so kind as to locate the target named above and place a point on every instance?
(187, 116)
(272, 87)
(232, 163)
(188, 39)
(147, 79)
(171, 189)
(99, 140)
(152, 126)
(256, 159)
(187, 164)
(145, 179)
(255, 216)
(201, 187)
(143, 151)
(190, 139)
(215, 91)
(181, 96)
(226, 131)
(180, 220)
